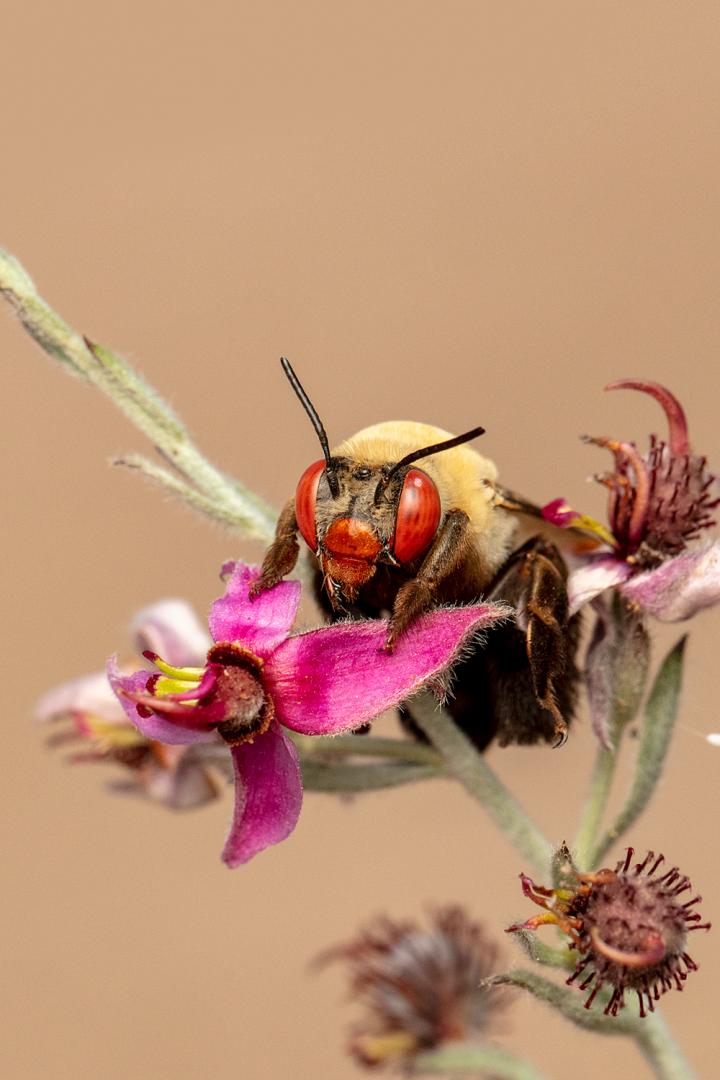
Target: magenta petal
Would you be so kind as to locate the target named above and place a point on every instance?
(171, 629)
(260, 624)
(268, 795)
(339, 677)
(594, 577)
(153, 727)
(559, 513)
(680, 587)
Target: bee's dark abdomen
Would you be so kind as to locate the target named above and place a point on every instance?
(494, 694)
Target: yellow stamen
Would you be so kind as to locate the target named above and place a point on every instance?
(589, 524)
(187, 674)
(165, 686)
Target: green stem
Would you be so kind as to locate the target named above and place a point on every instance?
(476, 1059)
(650, 1033)
(136, 398)
(478, 779)
(659, 1048)
(595, 806)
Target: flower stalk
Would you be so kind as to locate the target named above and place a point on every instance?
(651, 1034)
(200, 483)
(470, 768)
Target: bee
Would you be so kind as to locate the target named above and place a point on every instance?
(390, 536)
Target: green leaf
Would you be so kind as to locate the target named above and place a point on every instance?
(344, 777)
(660, 716)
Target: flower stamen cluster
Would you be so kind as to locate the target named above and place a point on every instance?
(422, 987)
(629, 927)
(658, 503)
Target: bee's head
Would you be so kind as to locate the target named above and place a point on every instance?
(353, 514)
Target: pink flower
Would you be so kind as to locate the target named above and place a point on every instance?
(658, 503)
(175, 775)
(258, 680)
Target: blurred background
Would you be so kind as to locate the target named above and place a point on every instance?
(460, 213)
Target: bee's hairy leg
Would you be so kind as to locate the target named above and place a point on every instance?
(448, 550)
(281, 556)
(546, 636)
(534, 580)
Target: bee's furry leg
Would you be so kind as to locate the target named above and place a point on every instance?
(521, 685)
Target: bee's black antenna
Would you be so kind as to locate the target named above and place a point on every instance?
(316, 423)
(426, 451)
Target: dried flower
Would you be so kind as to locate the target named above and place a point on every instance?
(257, 680)
(658, 503)
(629, 927)
(421, 987)
(85, 711)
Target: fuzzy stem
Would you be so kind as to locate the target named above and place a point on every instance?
(650, 1033)
(465, 1058)
(616, 672)
(660, 1049)
(478, 779)
(136, 398)
(595, 804)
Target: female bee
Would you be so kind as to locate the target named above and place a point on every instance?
(390, 536)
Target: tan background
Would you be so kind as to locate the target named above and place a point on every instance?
(457, 212)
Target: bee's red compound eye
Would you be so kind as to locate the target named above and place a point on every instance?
(418, 516)
(305, 500)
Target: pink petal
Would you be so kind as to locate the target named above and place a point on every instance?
(90, 694)
(171, 629)
(260, 624)
(339, 677)
(153, 727)
(559, 513)
(594, 577)
(680, 587)
(268, 795)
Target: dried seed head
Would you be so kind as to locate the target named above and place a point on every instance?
(421, 987)
(661, 500)
(630, 927)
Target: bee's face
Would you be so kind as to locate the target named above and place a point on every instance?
(374, 516)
